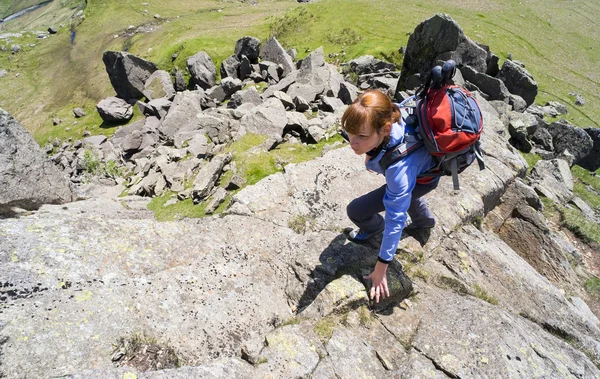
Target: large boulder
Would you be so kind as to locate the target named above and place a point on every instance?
(438, 39)
(316, 77)
(203, 72)
(248, 47)
(518, 81)
(182, 114)
(592, 160)
(268, 118)
(159, 85)
(127, 73)
(28, 178)
(566, 136)
(273, 51)
(114, 109)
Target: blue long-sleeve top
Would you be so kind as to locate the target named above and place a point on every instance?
(400, 179)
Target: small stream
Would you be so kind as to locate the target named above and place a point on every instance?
(23, 11)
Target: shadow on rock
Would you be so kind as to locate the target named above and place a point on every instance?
(328, 283)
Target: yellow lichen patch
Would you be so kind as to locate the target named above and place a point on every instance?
(449, 360)
(282, 343)
(84, 296)
(484, 360)
(129, 375)
(14, 258)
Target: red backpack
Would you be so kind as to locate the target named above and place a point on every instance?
(449, 125)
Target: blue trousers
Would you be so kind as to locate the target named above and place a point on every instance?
(364, 210)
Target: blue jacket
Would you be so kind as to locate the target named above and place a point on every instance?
(400, 179)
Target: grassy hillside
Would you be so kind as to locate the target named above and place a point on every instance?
(8, 7)
(557, 40)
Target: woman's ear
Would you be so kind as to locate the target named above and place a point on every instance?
(387, 129)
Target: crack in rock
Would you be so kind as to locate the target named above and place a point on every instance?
(437, 365)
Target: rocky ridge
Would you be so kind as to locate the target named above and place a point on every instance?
(248, 293)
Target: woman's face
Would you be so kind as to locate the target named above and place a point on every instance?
(367, 138)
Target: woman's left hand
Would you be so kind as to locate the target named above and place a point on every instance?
(378, 277)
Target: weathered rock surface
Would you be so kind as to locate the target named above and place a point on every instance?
(271, 287)
(28, 179)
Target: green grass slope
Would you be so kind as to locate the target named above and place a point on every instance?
(8, 7)
(557, 40)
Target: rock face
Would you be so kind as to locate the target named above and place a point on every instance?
(28, 178)
(273, 288)
(127, 73)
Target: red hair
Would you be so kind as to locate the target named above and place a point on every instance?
(373, 108)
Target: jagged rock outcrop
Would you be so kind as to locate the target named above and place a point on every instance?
(28, 179)
(438, 39)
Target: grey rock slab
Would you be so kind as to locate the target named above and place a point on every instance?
(249, 95)
(94, 141)
(230, 67)
(189, 286)
(28, 178)
(331, 104)
(160, 107)
(368, 64)
(283, 85)
(114, 109)
(456, 329)
(268, 118)
(352, 357)
(127, 73)
(182, 113)
(218, 127)
(291, 351)
(208, 175)
(338, 295)
(553, 179)
(348, 93)
(216, 199)
(493, 87)
(494, 266)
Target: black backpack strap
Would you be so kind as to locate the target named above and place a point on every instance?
(398, 152)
